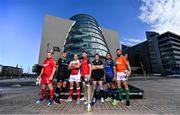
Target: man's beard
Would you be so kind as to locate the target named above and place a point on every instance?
(118, 55)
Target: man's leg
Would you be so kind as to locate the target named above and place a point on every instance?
(101, 90)
(127, 92)
(78, 92)
(120, 90)
(58, 89)
(43, 91)
(42, 94)
(51, 92)
(84, 90)
(63, 88)
(94, 91)
(70, 92)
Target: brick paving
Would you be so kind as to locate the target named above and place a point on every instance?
(161, 96)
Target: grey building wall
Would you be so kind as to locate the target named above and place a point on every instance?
(55, 31)
(112, 40)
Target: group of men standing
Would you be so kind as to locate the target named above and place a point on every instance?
(77, 71)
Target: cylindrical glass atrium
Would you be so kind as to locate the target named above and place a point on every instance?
(86, 35)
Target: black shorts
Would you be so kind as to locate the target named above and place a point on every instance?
(82, 78)
(62, 77)
(97, 78)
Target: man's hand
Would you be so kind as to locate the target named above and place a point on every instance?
(51, 77)
(114, 79)
(129, 73)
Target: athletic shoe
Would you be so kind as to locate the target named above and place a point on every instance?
(115, 102)
(39, 101)
(85, 102)
(127, 103)
(108, 99)
(102, 100)
(57, 101)
(94, 100)
(78, 101)
(69, 99)
(50, 103)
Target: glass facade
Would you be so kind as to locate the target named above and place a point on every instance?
(86, 35)
(169, 45)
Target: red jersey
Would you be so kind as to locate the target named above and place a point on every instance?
(75, 71)
(48, 65)
(85, 67)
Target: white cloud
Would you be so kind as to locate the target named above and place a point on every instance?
(161, 15)
(131, 41)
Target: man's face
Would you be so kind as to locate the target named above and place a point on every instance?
(64, 55)
(118, 53)
(108, 56)
(49, 55)
(75, 56)
(96, 57)
(84, 55)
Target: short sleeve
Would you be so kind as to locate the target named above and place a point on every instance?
(53, 63)
(113, 64)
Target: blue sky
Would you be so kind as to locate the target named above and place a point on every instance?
(21, 23)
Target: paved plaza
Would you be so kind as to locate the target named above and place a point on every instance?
(161, 96)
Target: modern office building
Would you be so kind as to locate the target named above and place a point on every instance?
(138, 57)
(154, 53)
(159, 54)
(169, 46)
(80, 32)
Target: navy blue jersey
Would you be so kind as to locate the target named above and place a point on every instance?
(109, 64)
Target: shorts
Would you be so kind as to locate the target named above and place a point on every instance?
(97, 78)
(45, 81)
(75, 78)
(121, 76)
(84, 78)
(62, 77)
(109, 77)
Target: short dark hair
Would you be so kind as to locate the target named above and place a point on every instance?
(109, 54)
(84, 51)
(64, 52)
(51, 52)
(97, 54)
(118, 49)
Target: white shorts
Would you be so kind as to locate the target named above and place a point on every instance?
(75, 78)
(122, 76)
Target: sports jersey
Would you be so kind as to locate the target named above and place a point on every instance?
(109, 64)
(48, 65)
(85, 70)
(63, 66)
(121, 64)
(97, 72)
(75, 71)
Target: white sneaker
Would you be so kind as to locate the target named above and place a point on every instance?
(102, 100)
(69, 99)
(85, 102)
(78, 101)
(94, 100)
